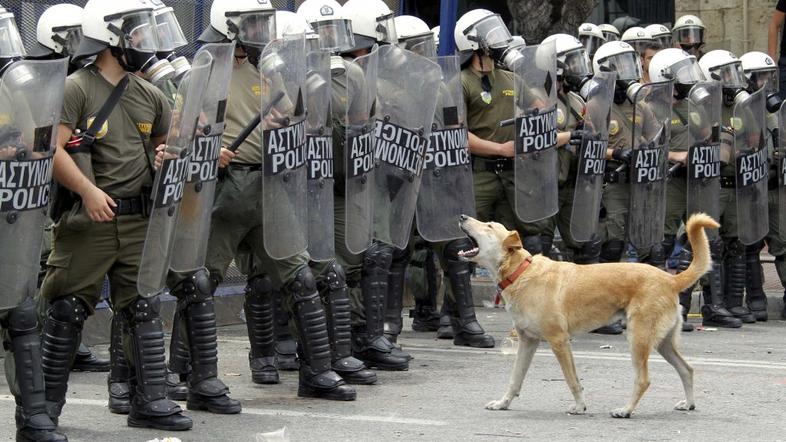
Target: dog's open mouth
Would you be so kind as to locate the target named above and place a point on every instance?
(471, 253)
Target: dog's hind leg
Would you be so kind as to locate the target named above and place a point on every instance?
(562, 350)
(526, 351)
(640, 351)
(668, 349)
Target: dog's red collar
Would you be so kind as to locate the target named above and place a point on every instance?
(505, 283)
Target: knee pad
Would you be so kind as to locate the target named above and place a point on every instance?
(68, 309)
(334, 277)
(588, 252)
(657, 256)
(453, 248)
(611, 250)
(144, 309)
(23, 319)
(684, 259)
(401, 257)
(197, 288)
(304, 286)
(668, 244)
(734, 248)
(378, 257)
(259, 286)
(533, 244)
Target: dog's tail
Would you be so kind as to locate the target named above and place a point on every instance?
(702, 262)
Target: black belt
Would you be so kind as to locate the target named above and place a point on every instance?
(611, 176)
(495, 165)
(245, 167)
(728, 182)
(129, 206)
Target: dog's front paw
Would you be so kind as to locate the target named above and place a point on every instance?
(501, 404)
(683, 405)
(620, 413)
(577, 409)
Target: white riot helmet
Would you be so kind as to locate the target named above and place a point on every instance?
(637, 37)
(761, 71)
(435, 30)
(59, 31)
(129, 29)
(688, 33)
(327, 19)
(610, 32)
(11, 47)
(725, 67)
(252, 23)
(572, 62)
(619, 57)
(678, 65)
(170, 38)
(661, 34)
(415, 35)
(591, 37)
(372, 23)
(484, 30)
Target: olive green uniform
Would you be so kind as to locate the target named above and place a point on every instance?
(616, 193)
(494, 176)
(122, 165)
(677, 186)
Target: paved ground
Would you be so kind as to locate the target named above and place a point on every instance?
(740, 389)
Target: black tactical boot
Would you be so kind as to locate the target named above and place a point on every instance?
(85, 360)
(259, 321)
(425, 317)
(286, 346)
(734, 279)
(756, 299)
(317, 378)
(150, 407)
(179, 358)
(195, 303)
(119, 402)
(714, 312)
(369, 342)
(394, 301)
(466, 329)
(332, 285)
(59, 341)
(615, 328)
(445, 330)
(32, 421)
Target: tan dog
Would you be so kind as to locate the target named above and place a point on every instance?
(554, 300)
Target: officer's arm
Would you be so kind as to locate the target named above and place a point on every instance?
(97, 203)
(774, 32)
(486, 148)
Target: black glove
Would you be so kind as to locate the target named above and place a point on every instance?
(622, 155)
(575, 137)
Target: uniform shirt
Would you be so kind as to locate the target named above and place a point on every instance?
(121, 156)
(621, 125)
(727, 142)
(680, 134)
(243, 105)
(483, 116)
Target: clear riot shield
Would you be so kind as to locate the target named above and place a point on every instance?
(585, 212)
(170, 179)
(319, 157)
(779, 144)
(282, 69)
(31, 96)
(446, 188)
(360, 76)
(536, 162)
(751, 168)
(405, 113)
(704, 153)
(649, 163)
(193, 223)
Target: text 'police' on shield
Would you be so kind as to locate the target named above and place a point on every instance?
(24, 185)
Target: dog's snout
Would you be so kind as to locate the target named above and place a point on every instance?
(463, 217)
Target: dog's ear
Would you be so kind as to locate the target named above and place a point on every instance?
(512, 242)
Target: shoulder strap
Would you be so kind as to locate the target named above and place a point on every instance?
(89, 137)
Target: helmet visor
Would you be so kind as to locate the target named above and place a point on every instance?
(69, 38)
(610, 36)
(386, 29)
(138, 31)
(730, 75)
(421, 44)
(256, 28)
(170, 35)
(576, 64)
(591, 42)
(640, 45)
(10, 40)
(627, 65)
(334, 35)
(765, 79)
(492, 32)
(687, 71)
(688, 36)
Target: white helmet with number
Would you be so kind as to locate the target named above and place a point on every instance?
(372, 22)
(249, 22)
(327, 19)
(619, 57)
(637, 37)
(760, 70)
(661, 34)
(688, 32)
(59, 31)
(591, 37)
(415, 35)
(610, 32)
(572, 58)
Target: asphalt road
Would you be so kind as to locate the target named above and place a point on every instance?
(740, 389)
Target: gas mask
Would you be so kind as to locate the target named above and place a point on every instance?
(179, 63)
(138, 46)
